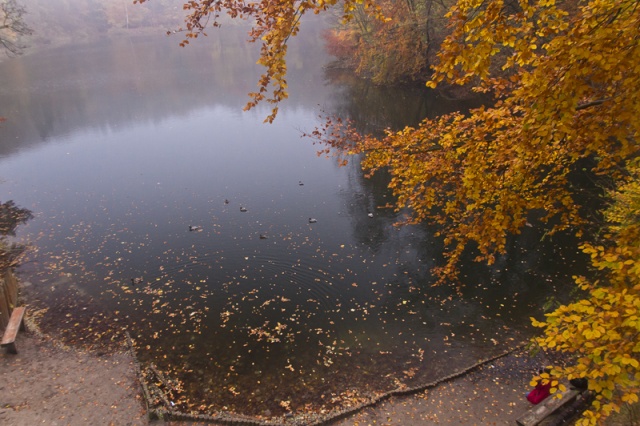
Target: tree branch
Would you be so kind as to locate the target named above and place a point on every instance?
(592, 103)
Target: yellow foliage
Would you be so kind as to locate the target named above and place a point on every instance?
(607, 350)
(566, 90)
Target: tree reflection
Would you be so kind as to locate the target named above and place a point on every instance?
(374, 108)
(10, 217)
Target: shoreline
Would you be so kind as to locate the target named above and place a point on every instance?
(51, 384)
(52, 324)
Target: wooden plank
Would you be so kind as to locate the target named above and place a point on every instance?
(15, 324)
(539, 412)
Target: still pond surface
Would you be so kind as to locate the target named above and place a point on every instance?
(118, 147)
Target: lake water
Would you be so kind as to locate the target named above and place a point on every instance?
(118, 147)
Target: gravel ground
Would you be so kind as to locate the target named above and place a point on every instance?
(48, 385)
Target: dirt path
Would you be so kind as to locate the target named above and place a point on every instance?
(48, 385)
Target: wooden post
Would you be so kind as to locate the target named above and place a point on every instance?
(4, 306)
(8, 296)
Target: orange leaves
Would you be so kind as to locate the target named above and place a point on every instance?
(341, 43)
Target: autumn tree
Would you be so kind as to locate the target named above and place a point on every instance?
(12, 26)
(564, 77)
(398, 49)
(565, 93)
(602, 330)
(10, 217)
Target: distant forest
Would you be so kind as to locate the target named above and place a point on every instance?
(64, 21)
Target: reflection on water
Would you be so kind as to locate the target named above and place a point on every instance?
(374, 108)
(118, 148)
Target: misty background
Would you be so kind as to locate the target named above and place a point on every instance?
(71, 21)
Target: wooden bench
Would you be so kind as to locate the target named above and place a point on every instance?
(544, 409)
(15, 323)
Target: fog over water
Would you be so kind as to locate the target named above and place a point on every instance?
(119, 146)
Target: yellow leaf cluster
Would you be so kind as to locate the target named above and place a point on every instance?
(603, 330)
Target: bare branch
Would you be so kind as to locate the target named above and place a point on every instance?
(12, 27)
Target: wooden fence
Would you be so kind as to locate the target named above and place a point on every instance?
(8, 296)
